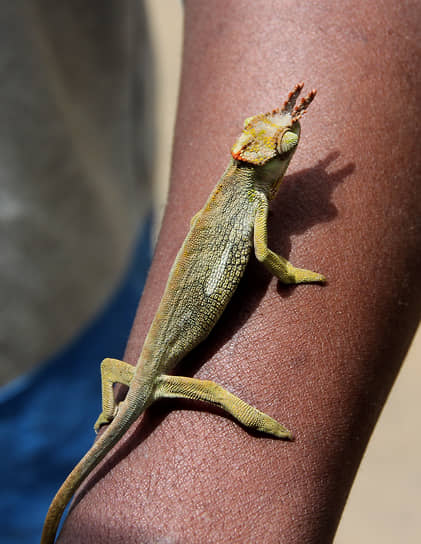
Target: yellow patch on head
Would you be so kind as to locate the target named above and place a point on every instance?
(258, 142)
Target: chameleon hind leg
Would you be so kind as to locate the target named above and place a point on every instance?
(112, 371)
(207, 391)
(277, 265)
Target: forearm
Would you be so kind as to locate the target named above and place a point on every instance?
(319, 359)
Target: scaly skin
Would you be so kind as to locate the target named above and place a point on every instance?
(203, 278)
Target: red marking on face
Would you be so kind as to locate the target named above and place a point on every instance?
(236, 155)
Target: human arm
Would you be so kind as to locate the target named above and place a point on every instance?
(321, 358)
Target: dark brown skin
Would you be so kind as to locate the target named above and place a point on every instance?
(319, 359)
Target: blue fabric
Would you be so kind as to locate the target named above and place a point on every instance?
(46, 417)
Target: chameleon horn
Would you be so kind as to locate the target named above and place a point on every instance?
(300, 110)
(292, 98)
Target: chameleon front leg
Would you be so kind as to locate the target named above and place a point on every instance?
(112, 371)
(207, 391)
(277, 265)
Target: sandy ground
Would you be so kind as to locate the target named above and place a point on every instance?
(384, 504)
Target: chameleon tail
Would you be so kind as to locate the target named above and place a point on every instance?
(85, 466)
(127, 414)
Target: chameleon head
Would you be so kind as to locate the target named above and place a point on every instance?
(273, 135)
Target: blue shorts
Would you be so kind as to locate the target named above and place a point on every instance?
(47, 416)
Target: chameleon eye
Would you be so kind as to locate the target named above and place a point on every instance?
(287, 142)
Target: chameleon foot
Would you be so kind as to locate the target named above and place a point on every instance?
(102, 420)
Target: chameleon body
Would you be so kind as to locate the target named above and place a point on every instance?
(203, 278)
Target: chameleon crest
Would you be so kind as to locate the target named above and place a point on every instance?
(271, 134)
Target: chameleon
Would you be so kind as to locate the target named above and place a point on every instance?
(202, 280)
